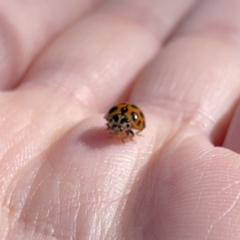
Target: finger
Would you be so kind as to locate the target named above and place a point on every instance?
(232, 139)
(79, 178)
(196, 77)
(194, 82)
(97, 59)
(88, 80)
(189, 190)
(26, 29)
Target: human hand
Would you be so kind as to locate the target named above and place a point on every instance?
(65, 63)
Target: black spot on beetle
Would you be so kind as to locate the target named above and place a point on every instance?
(134, 106)
(112, 109)
(134, 116)
(124, 110)
(115, 118)
(139, 123)
(128, 125)
(124, 120)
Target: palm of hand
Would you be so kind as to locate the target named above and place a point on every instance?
(62, 178)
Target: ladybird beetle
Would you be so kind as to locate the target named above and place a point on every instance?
(122, 118)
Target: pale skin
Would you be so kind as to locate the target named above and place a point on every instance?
(64, 64)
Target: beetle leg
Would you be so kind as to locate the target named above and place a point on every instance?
(110, 133)
(127, 135)
(124, 137)
(138, 133)
(130, 134)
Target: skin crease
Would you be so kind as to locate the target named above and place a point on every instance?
(61, 177)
